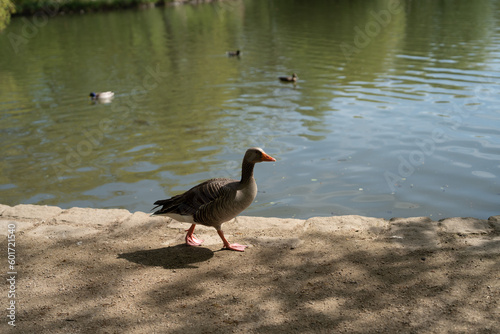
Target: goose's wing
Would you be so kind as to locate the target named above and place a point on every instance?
(188, 203)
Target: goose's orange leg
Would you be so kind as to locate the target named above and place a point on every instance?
(227, 245)
(191, 240)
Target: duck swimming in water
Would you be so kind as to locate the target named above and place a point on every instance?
(102, 96)
(233, 53)
(293, 78)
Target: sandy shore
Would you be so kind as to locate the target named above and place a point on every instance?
(111, 271)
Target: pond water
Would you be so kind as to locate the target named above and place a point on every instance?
(396, 111)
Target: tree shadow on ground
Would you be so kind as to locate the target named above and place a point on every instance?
(342, 285)
(332, 283)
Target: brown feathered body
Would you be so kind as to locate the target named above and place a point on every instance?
(210, 203)
(216, 201)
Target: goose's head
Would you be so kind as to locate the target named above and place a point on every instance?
(256, 154)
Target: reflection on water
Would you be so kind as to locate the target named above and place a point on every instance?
(394, 113)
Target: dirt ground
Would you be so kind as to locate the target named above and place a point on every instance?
(110, 271)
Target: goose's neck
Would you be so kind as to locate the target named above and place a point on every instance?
(247, 172)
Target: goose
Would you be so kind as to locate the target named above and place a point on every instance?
(233, 53)
(293, 78)
(215, 201)
(102, 96)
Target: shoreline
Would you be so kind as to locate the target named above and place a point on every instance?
(94, 270)
(31, 216)
(53, 8)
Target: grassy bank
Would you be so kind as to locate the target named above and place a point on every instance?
(54, 7)
(28, 7)
(6, 9)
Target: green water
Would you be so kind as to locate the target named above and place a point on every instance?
(395, 112)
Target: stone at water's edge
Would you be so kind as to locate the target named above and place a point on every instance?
(405, 233)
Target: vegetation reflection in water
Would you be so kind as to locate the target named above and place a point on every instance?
(394, 112)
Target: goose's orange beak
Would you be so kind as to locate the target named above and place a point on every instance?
(266, 157)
